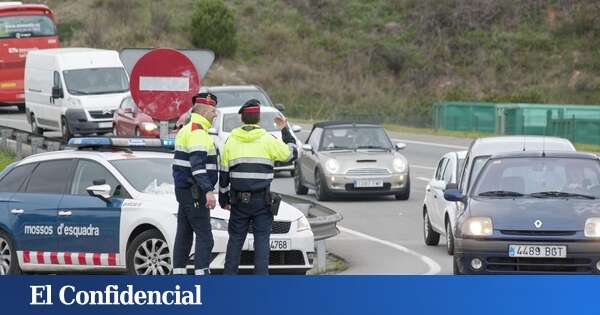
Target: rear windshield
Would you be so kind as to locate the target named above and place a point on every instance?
(23, 26)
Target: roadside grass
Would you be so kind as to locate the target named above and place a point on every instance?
(335, 264)
(5, 159)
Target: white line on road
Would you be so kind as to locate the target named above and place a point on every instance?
(434, 267)
(425, 179)
(450, 146)
(423, 167)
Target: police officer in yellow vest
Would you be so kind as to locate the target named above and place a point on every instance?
(246, 172)
(195, 173)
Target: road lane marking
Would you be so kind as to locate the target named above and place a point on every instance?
(449, 146)
(434, 267)
(425, 179)
(422, 167)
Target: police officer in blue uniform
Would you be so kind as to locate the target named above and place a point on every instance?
(195, 174)
(246, 172)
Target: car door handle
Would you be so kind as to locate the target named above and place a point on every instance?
(17, 211)
(65, 213)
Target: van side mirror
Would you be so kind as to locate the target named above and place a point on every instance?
(57, 92)
(100, 191)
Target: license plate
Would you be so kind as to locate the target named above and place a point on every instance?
(105, 125)
(541, 251)
(367, 183)
(276, 244)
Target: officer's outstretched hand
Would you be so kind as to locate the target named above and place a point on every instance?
(281, 121)
(211, 201)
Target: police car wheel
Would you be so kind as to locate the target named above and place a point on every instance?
(149, 254)
(9, 264)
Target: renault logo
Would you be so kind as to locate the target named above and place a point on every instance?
(538, 224)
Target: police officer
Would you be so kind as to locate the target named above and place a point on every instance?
(195, 174)
(246, 172)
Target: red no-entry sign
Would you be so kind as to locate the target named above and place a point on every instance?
(163, 82)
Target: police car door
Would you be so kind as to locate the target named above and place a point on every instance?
(35, 208)
(88, 225)
(10, 183)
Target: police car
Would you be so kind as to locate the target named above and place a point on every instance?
(109, 204)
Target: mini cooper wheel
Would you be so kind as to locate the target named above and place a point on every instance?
(298, 187)
(321, 191)
(149, 254)
(432, 238)
(9, 264)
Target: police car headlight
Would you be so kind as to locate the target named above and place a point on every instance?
(592, 227)
(303, 224)
(478, 226)
(399, 165)
(73, 102)
(149, 126)
(332, 166)
(218, 224)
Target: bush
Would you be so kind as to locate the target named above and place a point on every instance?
(213, 27)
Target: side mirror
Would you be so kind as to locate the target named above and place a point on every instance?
(296, 128)
(213, 131)
(452, 194)
(307, 147)
(128, 110)
(280, 107)
(399, 146)
(100, 191)
(57, 92)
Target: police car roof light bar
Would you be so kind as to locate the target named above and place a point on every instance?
(120, 142)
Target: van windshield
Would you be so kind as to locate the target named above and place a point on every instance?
(24, 26)
(96, 81)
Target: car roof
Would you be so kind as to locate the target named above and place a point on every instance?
(236, 109)
(495, 145)
(546, 154)
(91, 154)
(342, 123)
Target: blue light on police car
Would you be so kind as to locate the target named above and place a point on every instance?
(89, 141)
(169, 142)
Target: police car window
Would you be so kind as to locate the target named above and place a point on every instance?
(155, 179)
(50, 177)
(13, 181)
(90, 173)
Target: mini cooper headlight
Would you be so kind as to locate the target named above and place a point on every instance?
(303, 224)
(399, 165)
(218, 224)
(477, 226)
(332, 166)
(592, 227)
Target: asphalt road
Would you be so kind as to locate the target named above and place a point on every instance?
(379, 234)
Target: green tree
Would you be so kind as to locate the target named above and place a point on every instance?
(213, 27)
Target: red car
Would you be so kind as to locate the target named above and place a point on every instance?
(130, 121)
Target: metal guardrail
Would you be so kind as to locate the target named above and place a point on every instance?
(323, 222)
(23, 143)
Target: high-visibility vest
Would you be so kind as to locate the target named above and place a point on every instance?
(195, 156)
(248, 157)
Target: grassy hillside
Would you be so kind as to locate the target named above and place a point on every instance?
(372, 58)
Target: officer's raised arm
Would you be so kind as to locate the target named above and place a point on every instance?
(286, 150)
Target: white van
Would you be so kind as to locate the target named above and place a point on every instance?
(73, 90)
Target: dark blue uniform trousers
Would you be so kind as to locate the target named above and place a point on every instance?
(242, 215)
(190, 220)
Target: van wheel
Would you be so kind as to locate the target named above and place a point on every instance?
(65, 130)
(21, 108)
(432, 238)
(9, 264)
(149, 254)
(35, 129)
